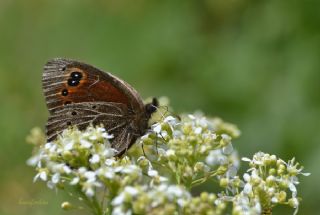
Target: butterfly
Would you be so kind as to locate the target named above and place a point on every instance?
(78, 94)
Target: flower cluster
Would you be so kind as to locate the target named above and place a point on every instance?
(270, 181)
(157, 174)
(194, 148)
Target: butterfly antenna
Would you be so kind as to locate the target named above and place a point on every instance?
(167, 112)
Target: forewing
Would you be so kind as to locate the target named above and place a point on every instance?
(67, 81)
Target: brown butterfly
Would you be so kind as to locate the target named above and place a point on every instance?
(78, 94)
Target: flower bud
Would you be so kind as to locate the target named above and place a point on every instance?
(199, 167)
(282, 196)
(147, 141)
(270, 180)
(281, 169)
(272, 171)
(293, 202)
(66, 206)
(142, 161)
(204, 196)
(224, 182)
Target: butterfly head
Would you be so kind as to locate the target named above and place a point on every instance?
(151, 107)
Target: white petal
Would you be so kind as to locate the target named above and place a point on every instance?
(245, 159)
(109, 162)
(33, 161)
(198, 130)
(55, 178)
(153, 173)
(169, 118)
(90, 175)
(67, 169)
(191, 116)
(228, 149)
(118, 200)
(293, 189)
(274, 200)
(157, 128)
(85, 143)
(89, 192)
(109, 175)
(131, 190)
(69, 146)
(305, 173)
(75, 181)
(232, 171)
(247, 188)
(107, 136)
(43, 176)
(95, 159)
(93, 137)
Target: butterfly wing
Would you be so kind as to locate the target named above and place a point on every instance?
(66, 81)
(113, 116)
(79, 94)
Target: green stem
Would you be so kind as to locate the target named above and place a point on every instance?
(91, 203)
(204, 179)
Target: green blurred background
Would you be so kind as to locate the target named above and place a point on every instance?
(255, 63)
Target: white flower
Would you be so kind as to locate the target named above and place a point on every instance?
(85, 144)
(34, 160)
(174, 191)
(170, 153)
(51, 147)
(215, 157)
(69, 146)
(88, 187)
(55, 178)
(247, 189)
(95, 159)
(107, 136)
(42, 175)
(128, 191)
(191, 116)
(129, 169)
(109, 174)
(274, 200)
(91, 176)
(293, 189)
(232, 171)
(75, 181)
(198, 130)
(228, 149)
(157, 128)
(120, 211)
(118, 200)
(131, 190)
(246, 159)
(108, 152)
(110, 162)
(152, 173)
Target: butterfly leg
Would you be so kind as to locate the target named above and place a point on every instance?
(144, 154)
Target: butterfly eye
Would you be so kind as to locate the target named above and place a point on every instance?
(73, 82)
(64, 92)
(94, 107)
(73, 113)
(76, 75)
